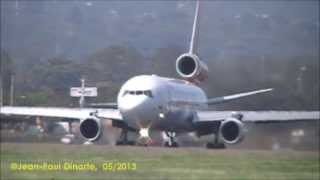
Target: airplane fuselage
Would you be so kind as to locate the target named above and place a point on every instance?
(160, 103)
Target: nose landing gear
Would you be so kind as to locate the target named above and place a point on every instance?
(169, 139)
(144, 138)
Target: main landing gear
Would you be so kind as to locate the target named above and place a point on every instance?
(170, 139)
(123, 140)
(216, 144)
(70, 137)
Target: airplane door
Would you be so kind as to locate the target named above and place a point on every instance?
(169, 98)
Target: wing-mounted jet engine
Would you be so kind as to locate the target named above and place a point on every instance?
(228, 131)
(90, 128)
(232, 129)
(190, 68)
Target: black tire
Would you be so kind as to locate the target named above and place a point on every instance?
(166, 144)
(131, 143)
(173, 145)
(121, 143)
(216, 146)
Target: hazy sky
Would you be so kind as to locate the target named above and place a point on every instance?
(41, 29)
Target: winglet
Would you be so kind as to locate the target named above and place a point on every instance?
(236, 96)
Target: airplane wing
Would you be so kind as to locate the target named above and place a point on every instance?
(259, 116)
(73, 113)
(111, 105)
(235, 96)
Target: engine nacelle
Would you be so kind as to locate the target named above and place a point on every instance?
(231, 131)
(190, 68)
(90, 128)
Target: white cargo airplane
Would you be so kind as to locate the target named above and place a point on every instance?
(170, 105)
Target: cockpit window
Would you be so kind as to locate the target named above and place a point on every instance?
(146, 93)
(124, 93)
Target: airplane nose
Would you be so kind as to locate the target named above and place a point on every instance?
(137, 107)
(129, 104)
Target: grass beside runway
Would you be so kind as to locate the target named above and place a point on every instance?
(157, 163)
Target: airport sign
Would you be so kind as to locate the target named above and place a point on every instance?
(86, 92)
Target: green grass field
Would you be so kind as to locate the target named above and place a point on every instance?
(159, 163)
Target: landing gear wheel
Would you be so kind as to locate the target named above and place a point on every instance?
(216, 146)
(144, 141)
(123, 140)
(122, 143)
(173, 144)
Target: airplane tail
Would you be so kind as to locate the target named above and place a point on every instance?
(188, 65)
(195, 31)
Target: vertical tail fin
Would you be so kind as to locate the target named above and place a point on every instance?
(188, 65)
(194, 36)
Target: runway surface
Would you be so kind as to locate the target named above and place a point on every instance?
(126, 162)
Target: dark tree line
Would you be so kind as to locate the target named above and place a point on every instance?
(295, 80)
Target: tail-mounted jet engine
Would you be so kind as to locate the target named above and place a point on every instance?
(190, 68)
(231, 131)
(90, 128)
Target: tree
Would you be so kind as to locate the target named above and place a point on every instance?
(6, 67)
